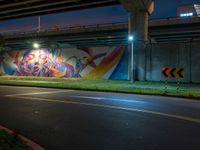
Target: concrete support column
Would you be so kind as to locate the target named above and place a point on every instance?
(138, 28)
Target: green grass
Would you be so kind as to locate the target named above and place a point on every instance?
(139, 87)
(9, 142)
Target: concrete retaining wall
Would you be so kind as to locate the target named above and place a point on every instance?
(113, 63)
(173, 54)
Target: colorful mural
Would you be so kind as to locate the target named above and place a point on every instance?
(98, 62)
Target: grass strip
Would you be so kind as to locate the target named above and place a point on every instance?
(139, 87)
(10, 142)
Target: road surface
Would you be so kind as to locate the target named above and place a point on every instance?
(61, 119)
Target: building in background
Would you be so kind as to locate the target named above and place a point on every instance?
(188, 10)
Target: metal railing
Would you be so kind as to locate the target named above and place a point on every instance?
(70, 29)
(92, 27)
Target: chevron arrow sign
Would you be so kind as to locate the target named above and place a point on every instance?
(173, 72)
(164, 72)
(181, 73)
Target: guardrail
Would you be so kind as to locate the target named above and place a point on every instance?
(74, 28)
(174, 21)
(109, 26)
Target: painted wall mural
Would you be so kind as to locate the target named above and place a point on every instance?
(97, 62)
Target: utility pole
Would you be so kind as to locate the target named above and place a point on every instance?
(39, 24)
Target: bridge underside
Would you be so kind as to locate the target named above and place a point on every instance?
(12, 9)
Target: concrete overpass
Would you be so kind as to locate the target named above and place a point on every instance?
(174, 42)
(162, 30)
(13, 9)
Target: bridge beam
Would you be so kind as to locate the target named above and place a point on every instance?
(139, 10)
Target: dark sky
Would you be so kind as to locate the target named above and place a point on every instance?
(111, 14)
(167, 8)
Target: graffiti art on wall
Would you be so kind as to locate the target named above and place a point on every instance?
(99, 62)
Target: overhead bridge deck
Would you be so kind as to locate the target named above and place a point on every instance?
(11, 9)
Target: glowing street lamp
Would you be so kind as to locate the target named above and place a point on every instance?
(131, 39)
(36, 45)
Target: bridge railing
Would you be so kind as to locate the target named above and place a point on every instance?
(59, 23)
(72, 28)
(173, 21)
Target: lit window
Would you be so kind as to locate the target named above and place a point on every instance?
(186, 14)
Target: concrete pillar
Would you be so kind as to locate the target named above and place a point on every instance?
(138, 28)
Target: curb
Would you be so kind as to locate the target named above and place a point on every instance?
(27, 141)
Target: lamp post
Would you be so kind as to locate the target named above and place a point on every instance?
(132, 78)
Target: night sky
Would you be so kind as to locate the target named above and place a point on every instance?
(111, 14)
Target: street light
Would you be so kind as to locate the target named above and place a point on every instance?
(36, 45)
(131, 39)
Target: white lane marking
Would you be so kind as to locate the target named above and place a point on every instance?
(38, 93)
(110, 99)
(89, 97)
(185, 118)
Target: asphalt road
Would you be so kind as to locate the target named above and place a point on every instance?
(60, 119)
